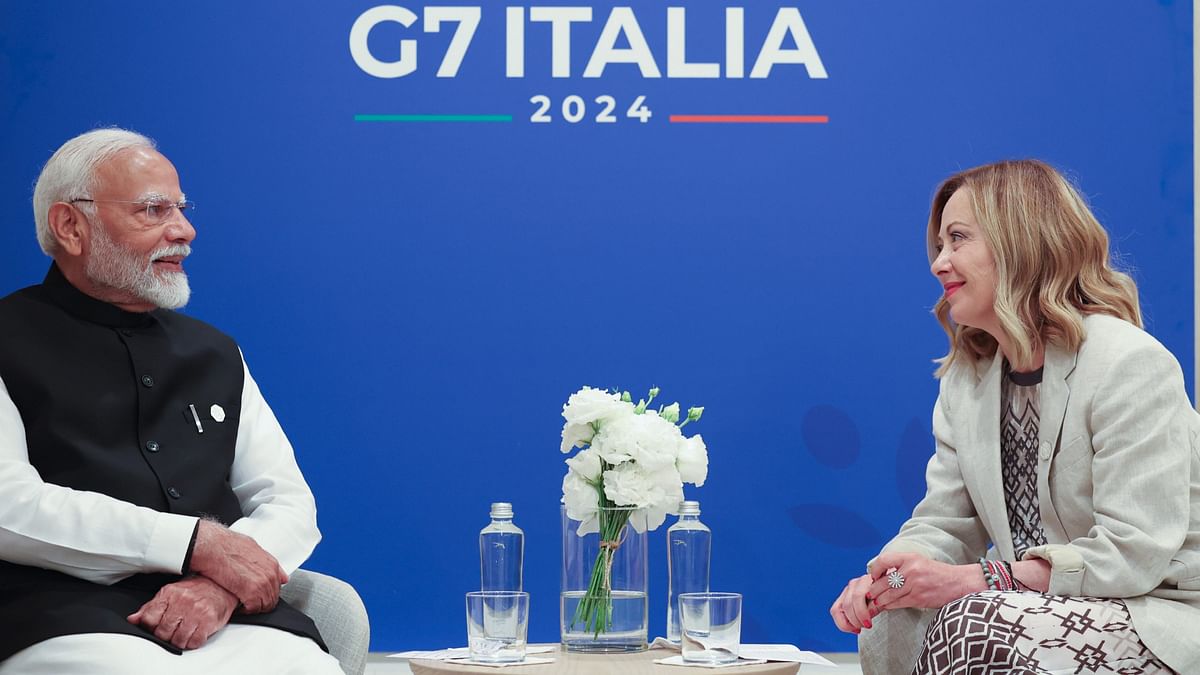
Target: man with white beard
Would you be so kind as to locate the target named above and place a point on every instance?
(150, 505)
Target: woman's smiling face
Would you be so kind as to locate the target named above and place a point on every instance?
(965, 267)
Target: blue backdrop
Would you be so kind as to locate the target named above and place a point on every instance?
(418, 298)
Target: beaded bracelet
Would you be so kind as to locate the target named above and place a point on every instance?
(1002, 570)
(987, 575)
(998, 575)
(1017, 585)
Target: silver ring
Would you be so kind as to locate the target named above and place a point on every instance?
(895, 579)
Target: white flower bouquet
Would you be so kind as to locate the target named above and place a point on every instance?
(630, 456)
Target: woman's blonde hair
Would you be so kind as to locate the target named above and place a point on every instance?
(1052, 261)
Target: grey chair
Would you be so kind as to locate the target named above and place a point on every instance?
(339, 613)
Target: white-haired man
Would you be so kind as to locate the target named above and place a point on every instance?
(150, 504)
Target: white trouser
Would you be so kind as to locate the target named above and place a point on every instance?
(236, 648)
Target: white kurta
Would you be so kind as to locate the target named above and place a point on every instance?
(98, 538)
(236, 648)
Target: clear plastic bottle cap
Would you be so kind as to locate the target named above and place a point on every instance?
(689, 508)
(502, 510)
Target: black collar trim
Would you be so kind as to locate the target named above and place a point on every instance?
(1025, 379)
(84, 306)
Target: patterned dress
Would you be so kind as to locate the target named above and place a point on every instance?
(1028, 632)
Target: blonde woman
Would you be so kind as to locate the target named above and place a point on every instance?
(1060, 530)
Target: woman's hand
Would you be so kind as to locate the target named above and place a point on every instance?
(851, 611)
(1032, 574)
(928, 584)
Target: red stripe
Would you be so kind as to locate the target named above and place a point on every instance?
(750, 119)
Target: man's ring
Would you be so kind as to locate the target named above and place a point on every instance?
(895, 579)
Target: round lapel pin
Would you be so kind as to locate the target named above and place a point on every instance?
(217, 412)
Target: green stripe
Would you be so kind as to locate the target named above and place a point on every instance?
(433, 118)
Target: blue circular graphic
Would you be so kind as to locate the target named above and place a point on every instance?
(831, 436)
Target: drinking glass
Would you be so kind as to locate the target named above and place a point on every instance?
(710, 626)
(497, 625)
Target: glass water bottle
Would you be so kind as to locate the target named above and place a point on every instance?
(501, 551)
(689, 549)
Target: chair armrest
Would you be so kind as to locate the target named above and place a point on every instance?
(339, 613)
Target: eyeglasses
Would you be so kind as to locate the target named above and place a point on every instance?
(153, 211)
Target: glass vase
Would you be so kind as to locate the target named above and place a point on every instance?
(602, 607)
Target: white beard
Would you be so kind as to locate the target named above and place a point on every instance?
(116, 267)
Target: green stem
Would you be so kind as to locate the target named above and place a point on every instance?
(595, 608)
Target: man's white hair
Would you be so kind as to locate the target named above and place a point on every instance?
(71, 173)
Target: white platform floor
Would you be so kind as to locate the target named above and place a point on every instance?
(379, 664)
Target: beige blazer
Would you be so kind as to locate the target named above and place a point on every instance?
(1118, 481)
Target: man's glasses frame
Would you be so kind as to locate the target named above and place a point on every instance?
(154, 211)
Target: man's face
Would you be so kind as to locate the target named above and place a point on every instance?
(134, 252)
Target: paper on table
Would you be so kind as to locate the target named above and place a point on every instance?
(461, 652)
(434, 655)
(664, 643)
(678, 661)
(529, 661)
(790, 653)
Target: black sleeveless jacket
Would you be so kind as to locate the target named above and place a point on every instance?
(104, 396)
